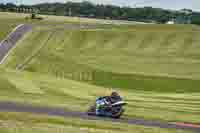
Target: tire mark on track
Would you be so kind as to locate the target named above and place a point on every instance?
(11, 40)
(20, 108)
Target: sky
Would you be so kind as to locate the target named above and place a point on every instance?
(167, 4)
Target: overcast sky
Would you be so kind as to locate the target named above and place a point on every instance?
(168, 4)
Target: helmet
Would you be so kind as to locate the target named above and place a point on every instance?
(114, 94)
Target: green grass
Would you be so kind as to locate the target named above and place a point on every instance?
(6, 27)
(158, 74)
(167, 54)
(8, 21)
(142, 60)
(45, 90)
(28, 123)
(155, 67)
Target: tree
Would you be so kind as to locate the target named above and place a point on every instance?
(88, 9)
(195, 18)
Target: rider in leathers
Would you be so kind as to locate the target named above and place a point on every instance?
(104, 103)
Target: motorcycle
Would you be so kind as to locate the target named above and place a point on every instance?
(115, 110)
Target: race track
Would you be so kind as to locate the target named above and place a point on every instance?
(11, 40)
(61, 112)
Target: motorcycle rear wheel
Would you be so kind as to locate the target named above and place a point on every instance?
(118, 114)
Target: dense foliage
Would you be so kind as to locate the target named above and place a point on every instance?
(87, 9)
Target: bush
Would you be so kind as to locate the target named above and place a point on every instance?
(34, 16)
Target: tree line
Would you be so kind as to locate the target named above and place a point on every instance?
(87, 9)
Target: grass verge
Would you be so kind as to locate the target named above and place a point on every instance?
(29, 123)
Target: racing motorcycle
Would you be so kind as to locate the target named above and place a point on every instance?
(114, 110)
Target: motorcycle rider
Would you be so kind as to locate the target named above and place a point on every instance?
(105, 103)
(115, 97)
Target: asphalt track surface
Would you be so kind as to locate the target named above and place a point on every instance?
(61, 112)
(7, 44)
(11, 40)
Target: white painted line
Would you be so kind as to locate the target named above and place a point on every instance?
(10, 50)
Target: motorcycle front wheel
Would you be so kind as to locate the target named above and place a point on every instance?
(117, 115)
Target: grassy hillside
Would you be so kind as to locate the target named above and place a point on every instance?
(155, 68)
(45, 90)
(166, 60)
(6, 26)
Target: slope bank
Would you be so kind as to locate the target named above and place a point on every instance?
(155, 58)
(45, 90)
